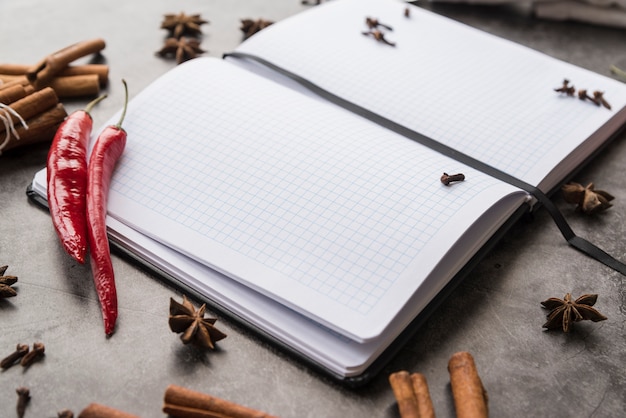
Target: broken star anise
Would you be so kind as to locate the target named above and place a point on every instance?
(249, 27)
(182, 24)
(588, 199)
(183, 49)
(564, 312)
(6, 291)
(195, 328)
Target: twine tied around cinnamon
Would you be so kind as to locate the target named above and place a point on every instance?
(5, 116)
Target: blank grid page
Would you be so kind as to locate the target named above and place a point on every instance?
(305, 202)
(482, 95)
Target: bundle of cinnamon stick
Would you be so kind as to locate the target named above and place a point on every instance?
(30, 110)
(413, 396)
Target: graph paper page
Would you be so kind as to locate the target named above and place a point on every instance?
(310, 205)
(480, 94)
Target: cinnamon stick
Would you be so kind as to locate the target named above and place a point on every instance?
(403, 391)
(180, 402)
(14, 69)
(43, 72)
(41, 128)
(422, 394)
(5, 78)
(32, 105)
(101, 70)
(76, 85)
(13, 93)
(96, 410)
(17, 81)
(470, 397)
(66, 86)
(177, 411)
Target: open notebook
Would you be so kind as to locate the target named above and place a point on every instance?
(323, 230)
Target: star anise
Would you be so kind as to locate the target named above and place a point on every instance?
(183, 49)
(182, 24)
(249, 27)
(564, 312)
(587, 199)
(6, 291)
(195, 328)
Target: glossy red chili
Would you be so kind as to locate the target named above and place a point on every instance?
(67, 180)
(107, 150)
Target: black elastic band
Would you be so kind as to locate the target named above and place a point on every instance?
(575, 241)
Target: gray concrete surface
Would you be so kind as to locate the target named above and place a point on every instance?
(495, 313)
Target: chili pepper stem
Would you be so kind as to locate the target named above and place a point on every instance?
(94, 102)
(119, 124)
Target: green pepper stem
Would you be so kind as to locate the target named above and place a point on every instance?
(94, 102)
(119, 124)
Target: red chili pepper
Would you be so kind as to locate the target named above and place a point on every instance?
(67, 180)
(106, 152)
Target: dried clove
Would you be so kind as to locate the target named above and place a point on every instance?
(379, 36)
(599, 98)
(407, 12)
(582, 95)
(446, 178)
(23, 397)
(374, 23)
(587, 199)
(566, 88)
(20, 351)
(6, 291)
(34, 355)
(65, 413)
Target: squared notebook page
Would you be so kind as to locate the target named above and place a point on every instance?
(308, 204)
(342, 356)
(480, 94)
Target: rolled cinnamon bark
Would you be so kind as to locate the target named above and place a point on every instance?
(19, 80)
(41, 128)
(177, 411)
(422, 394)
(470, 397)
(76, 85)
(32, 105)
(66, 86)
(49, 67)
(5, 78)
(14, 69)
(96, 410)
(14, 93)
(101, 70)
(403, 391)
(181, 402)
